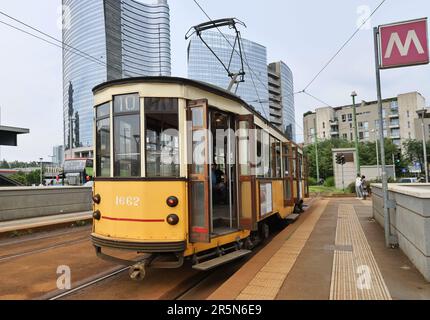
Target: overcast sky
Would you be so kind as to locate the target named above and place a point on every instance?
(303, 33)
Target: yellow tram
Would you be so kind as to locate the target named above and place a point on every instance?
(186, 170)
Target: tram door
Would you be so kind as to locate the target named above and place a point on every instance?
(222, 173)
(247, 173)
(198, 171)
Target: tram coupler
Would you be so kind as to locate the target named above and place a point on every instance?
(137, 272)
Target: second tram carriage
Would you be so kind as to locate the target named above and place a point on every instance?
(183, 170)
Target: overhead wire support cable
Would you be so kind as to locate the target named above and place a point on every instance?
(63, 45)
(343, 46)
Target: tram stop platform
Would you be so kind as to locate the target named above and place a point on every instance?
(41, 223)
(334, 251)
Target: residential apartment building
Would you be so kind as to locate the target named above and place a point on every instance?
(399, 115)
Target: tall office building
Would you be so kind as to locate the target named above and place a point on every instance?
(58, 155)
(281, 98)
(203, 66)
(400, 120)
(115, 39)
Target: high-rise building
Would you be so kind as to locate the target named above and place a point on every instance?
(281, 98)
(58, 156)
(204, 66)
(106, 40)
(399, 116)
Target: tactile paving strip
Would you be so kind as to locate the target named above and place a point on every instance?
(355, 274)
(268, 281)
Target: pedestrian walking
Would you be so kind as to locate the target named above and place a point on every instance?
(358, 189)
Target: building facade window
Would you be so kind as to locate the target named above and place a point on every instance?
(350, 117)
(344, 118)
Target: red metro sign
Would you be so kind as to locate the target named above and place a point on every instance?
(404, 44)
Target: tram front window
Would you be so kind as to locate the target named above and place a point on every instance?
(103, 140)
(162, 137)
(127, 136)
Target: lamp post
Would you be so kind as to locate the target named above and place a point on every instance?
(316, 150)
(375, 131)
(41, 170)
(422, 113)
(354, 114)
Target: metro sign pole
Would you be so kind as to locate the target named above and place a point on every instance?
(397, 45)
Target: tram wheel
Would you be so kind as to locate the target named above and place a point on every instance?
(137, 272)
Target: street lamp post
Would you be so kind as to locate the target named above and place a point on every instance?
(354, 114)
(41, 170)
(422, 113)
(375, 131)
(316, 150)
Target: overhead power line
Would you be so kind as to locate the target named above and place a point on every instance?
(343, 46)
(58, 43)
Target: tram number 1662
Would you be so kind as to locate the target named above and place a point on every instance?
(121, 201)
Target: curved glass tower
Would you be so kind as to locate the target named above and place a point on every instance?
(203, 66)
(115, 39)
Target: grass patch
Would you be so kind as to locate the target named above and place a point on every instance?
(326, 190)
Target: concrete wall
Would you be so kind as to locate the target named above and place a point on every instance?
(410, 221)
(23, 202)
(371, 172)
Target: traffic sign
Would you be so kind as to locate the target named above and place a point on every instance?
(404, 44)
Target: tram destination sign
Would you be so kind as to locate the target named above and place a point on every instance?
(404, 44)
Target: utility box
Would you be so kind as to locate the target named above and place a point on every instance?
(349, 168)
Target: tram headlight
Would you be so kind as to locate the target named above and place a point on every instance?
(97, 199)
(173, 219)
(172, 201)
(97, 215)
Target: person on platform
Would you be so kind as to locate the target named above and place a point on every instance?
(358, 187)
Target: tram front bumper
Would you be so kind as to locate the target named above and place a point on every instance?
(144, 247)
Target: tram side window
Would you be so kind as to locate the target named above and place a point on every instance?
(162, 137)
(288, 193)
(103, 160)
(127, 136)
(276, 157)
(264, 156)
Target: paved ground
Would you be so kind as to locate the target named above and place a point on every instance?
(335, 251)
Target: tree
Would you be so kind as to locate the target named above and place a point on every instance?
(367, 153)
(415, 153)
(4, 164)
(27, 179)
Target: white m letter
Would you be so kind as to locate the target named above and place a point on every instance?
(403, 49)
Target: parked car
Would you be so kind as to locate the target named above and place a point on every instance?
(408, 180)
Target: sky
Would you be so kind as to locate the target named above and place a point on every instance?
(303, 33)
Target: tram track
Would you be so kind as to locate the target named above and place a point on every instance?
(85, 284)
(10, 257)
(197, 286)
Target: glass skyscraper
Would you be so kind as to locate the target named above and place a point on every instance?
(114, 39)
(203, 66)
(281, 96)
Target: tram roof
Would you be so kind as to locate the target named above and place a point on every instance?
(185, 81)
